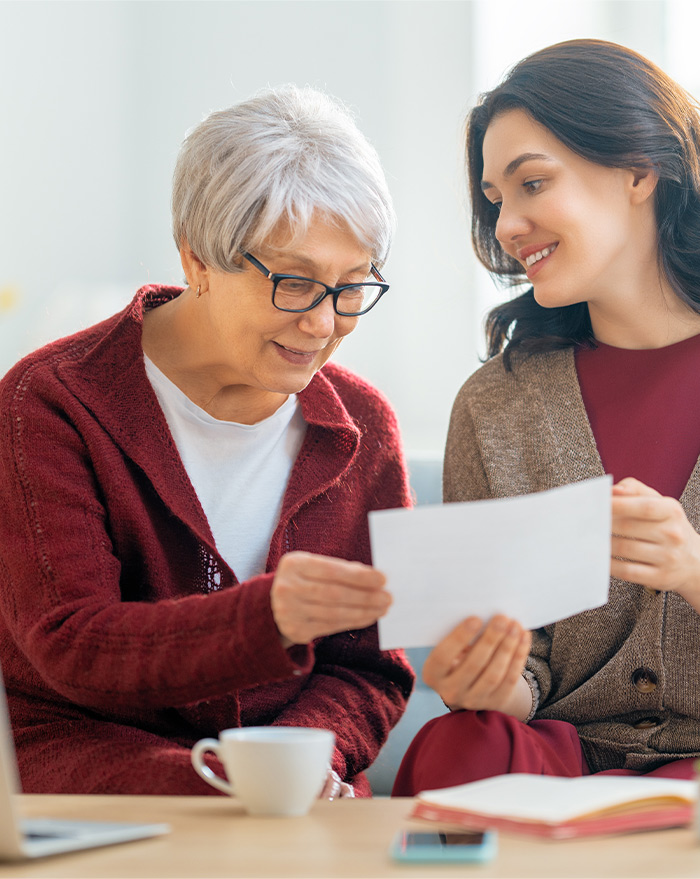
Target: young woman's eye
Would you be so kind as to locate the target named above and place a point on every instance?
(496, 206)
(532, 185)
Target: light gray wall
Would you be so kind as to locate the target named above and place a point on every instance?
(95, 98)
(101, 97)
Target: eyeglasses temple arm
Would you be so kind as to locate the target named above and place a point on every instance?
(258, 265)
(375, 272)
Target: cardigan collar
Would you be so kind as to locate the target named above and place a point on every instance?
(110, 380)
(564, 448)
(568, 439)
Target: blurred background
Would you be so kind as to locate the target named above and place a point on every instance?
(96, 97)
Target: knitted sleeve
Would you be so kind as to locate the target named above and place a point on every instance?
(65, 596)
(537, 670)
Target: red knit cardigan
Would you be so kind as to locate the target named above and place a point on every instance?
(124, 635)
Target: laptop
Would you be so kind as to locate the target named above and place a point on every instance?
(38, 837)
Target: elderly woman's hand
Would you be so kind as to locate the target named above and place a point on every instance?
(334, 788)
(315, 595)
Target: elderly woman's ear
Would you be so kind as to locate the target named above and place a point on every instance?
(195, 271)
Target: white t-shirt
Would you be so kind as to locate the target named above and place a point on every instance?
(239, 471)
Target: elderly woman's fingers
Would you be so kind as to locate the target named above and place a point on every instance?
(313, 596)
(335, 788)
(333, 594)
(300, 624)
(335, 590)
(332, 786)
(309, 567)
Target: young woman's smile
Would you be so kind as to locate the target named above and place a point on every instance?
(534, 257)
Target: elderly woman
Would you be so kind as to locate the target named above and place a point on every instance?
(184, 487)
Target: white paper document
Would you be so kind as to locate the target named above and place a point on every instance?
(537, 558)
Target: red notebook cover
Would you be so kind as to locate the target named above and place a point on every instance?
(677, 816)
(560, 808)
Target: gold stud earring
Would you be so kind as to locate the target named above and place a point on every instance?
(199, 292)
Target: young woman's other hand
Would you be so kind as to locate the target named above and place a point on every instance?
(653, 542)
(479, 667)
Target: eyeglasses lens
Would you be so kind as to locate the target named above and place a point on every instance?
(297, 294)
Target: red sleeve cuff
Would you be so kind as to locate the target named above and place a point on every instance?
(267, 657)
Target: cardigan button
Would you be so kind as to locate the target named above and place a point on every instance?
(646, 723)
(645, 680)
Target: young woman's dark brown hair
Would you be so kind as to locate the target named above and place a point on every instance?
(583, 167)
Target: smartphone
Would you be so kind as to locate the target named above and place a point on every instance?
(475, 847)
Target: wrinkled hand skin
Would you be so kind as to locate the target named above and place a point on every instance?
(313, 596)
(334, 788)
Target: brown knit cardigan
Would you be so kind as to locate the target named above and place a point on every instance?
(527, 430)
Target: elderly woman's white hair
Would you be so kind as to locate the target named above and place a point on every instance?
(284, 154)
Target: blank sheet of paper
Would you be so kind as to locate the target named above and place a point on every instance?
(537, 558)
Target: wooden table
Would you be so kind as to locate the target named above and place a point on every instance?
(212, 837)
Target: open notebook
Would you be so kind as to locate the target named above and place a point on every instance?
(37, 837)
(543, 805)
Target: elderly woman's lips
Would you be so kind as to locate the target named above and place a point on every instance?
(292, 355)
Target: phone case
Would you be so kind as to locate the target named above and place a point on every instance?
(402, 850)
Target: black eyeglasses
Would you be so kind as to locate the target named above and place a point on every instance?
(292, 293)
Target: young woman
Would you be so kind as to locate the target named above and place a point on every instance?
(584, 171)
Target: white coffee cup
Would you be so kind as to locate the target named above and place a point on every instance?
(272, 770)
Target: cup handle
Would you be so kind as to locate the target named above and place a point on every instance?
(201, 768)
